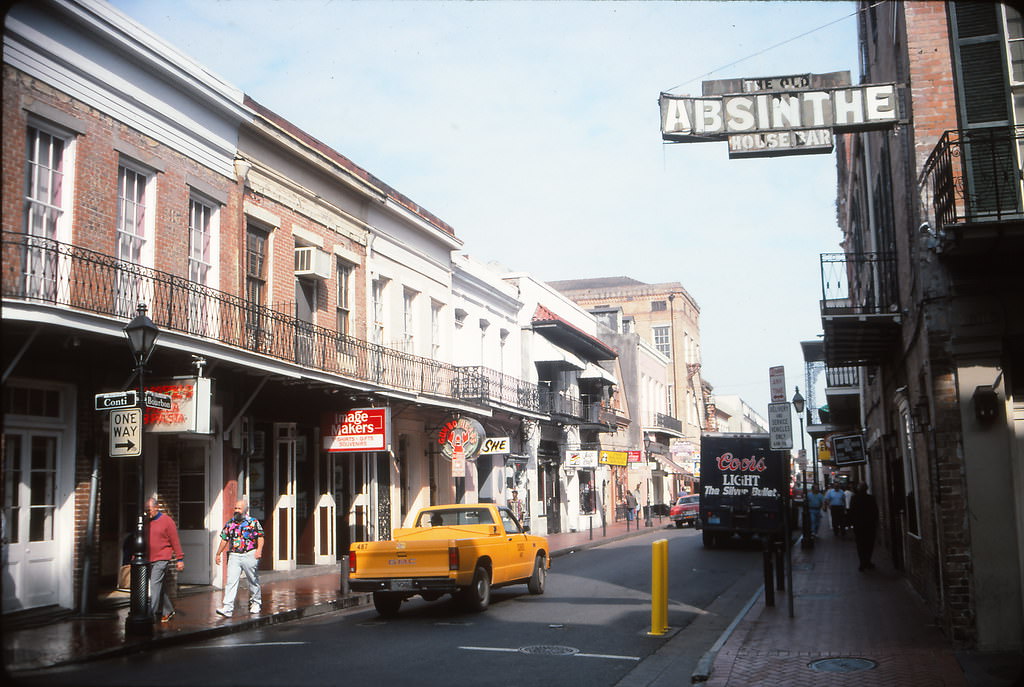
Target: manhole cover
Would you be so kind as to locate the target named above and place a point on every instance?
(548, 650)
(842, 665)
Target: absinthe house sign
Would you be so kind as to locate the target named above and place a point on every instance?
(773, 116)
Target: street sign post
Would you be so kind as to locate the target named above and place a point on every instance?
(118, 399)
(780, 426)
(126, 433)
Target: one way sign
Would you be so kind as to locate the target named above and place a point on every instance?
(126, 433)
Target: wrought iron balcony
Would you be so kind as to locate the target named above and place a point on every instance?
(51, 273)
(558, 404)
(486, 386)
(972, 180)
(860, 307)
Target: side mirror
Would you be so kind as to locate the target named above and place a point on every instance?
(526, 529)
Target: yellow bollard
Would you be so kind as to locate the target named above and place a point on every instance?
(659, 587)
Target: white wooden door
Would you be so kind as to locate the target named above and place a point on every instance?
(30, 575)
(284, 534)
(325, 539)
(193, 468)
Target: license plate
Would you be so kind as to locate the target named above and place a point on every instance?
(402, 585)
(714, 520)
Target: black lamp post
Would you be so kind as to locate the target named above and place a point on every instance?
(647, 455)
(141, 334)
(807, 540)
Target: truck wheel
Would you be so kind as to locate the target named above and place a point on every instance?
(538, 578)
(679, 524)
(710, 540)
(477, 596)
(387, 603)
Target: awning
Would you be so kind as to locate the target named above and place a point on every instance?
(546, 352)
(594, 371)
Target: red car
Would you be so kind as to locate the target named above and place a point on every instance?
(686, 510)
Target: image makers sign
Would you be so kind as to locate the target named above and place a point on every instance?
(779, 115)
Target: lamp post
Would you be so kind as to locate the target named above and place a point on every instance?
(807, 540)
(141, 334)
(647, 456)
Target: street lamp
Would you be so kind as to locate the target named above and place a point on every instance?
(141, 334)
(807, 541)
(647, 456)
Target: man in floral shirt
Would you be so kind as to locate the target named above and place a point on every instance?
(241, 545)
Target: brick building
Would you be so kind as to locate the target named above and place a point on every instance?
(922, 311)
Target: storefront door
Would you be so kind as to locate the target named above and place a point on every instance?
(283, 518)
(30, 551)
(324, 518)
(353, 485)
(193, 464)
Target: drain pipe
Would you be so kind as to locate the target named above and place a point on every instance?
(90, 532)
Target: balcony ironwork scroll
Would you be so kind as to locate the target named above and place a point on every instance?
(859, 284)
(973, 175)
(48, 272)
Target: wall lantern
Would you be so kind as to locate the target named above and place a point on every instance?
(986, 403)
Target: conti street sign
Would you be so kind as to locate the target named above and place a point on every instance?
(126, 433)
(118, 399)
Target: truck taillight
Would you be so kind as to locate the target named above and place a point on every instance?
(351, 562)
(453, 558)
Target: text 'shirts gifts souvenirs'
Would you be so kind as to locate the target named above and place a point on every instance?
(359, 429)
(460, 440)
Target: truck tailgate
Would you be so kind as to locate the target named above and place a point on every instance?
(423, 558)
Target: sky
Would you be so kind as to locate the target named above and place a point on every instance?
(532, 128)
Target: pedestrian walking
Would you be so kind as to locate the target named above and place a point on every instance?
(815, 501)
(163, 546)
(241, 547)
(835, 503)
(847, 499)
(631, 504)
(864, 518)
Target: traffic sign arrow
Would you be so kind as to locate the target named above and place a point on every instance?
(128, 445)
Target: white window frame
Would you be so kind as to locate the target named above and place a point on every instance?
(435, 329)
(202, 316)
(343, 271)
(662, 331)
(378, 290)
(42, 266)
(136, 232)
(408, 343)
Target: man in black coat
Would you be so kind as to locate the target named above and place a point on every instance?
(863, 516)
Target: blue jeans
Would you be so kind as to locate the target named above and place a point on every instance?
(239, 563)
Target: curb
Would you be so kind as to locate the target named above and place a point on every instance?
(702, 671)
(186, 637)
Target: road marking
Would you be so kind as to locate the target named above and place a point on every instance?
(232, 646)
(517, 651)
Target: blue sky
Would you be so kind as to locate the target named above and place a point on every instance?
(533, 129)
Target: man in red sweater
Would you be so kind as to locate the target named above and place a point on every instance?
(163, 546)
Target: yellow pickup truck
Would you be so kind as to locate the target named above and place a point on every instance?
(462, 550)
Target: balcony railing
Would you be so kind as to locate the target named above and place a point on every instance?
(484, 385)
(668, 422)
(557, 403)
(859, 284)
(44, 271)
(973, 175)
(842, 376)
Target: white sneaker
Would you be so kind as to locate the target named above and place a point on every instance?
(224, 612)
(255, 610)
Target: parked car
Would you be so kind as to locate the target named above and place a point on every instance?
(686, 510)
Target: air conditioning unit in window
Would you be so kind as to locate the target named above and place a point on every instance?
(312, 263)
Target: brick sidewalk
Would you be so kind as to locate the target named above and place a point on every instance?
(838, 613)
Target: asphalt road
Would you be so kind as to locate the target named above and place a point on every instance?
(589, 628)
